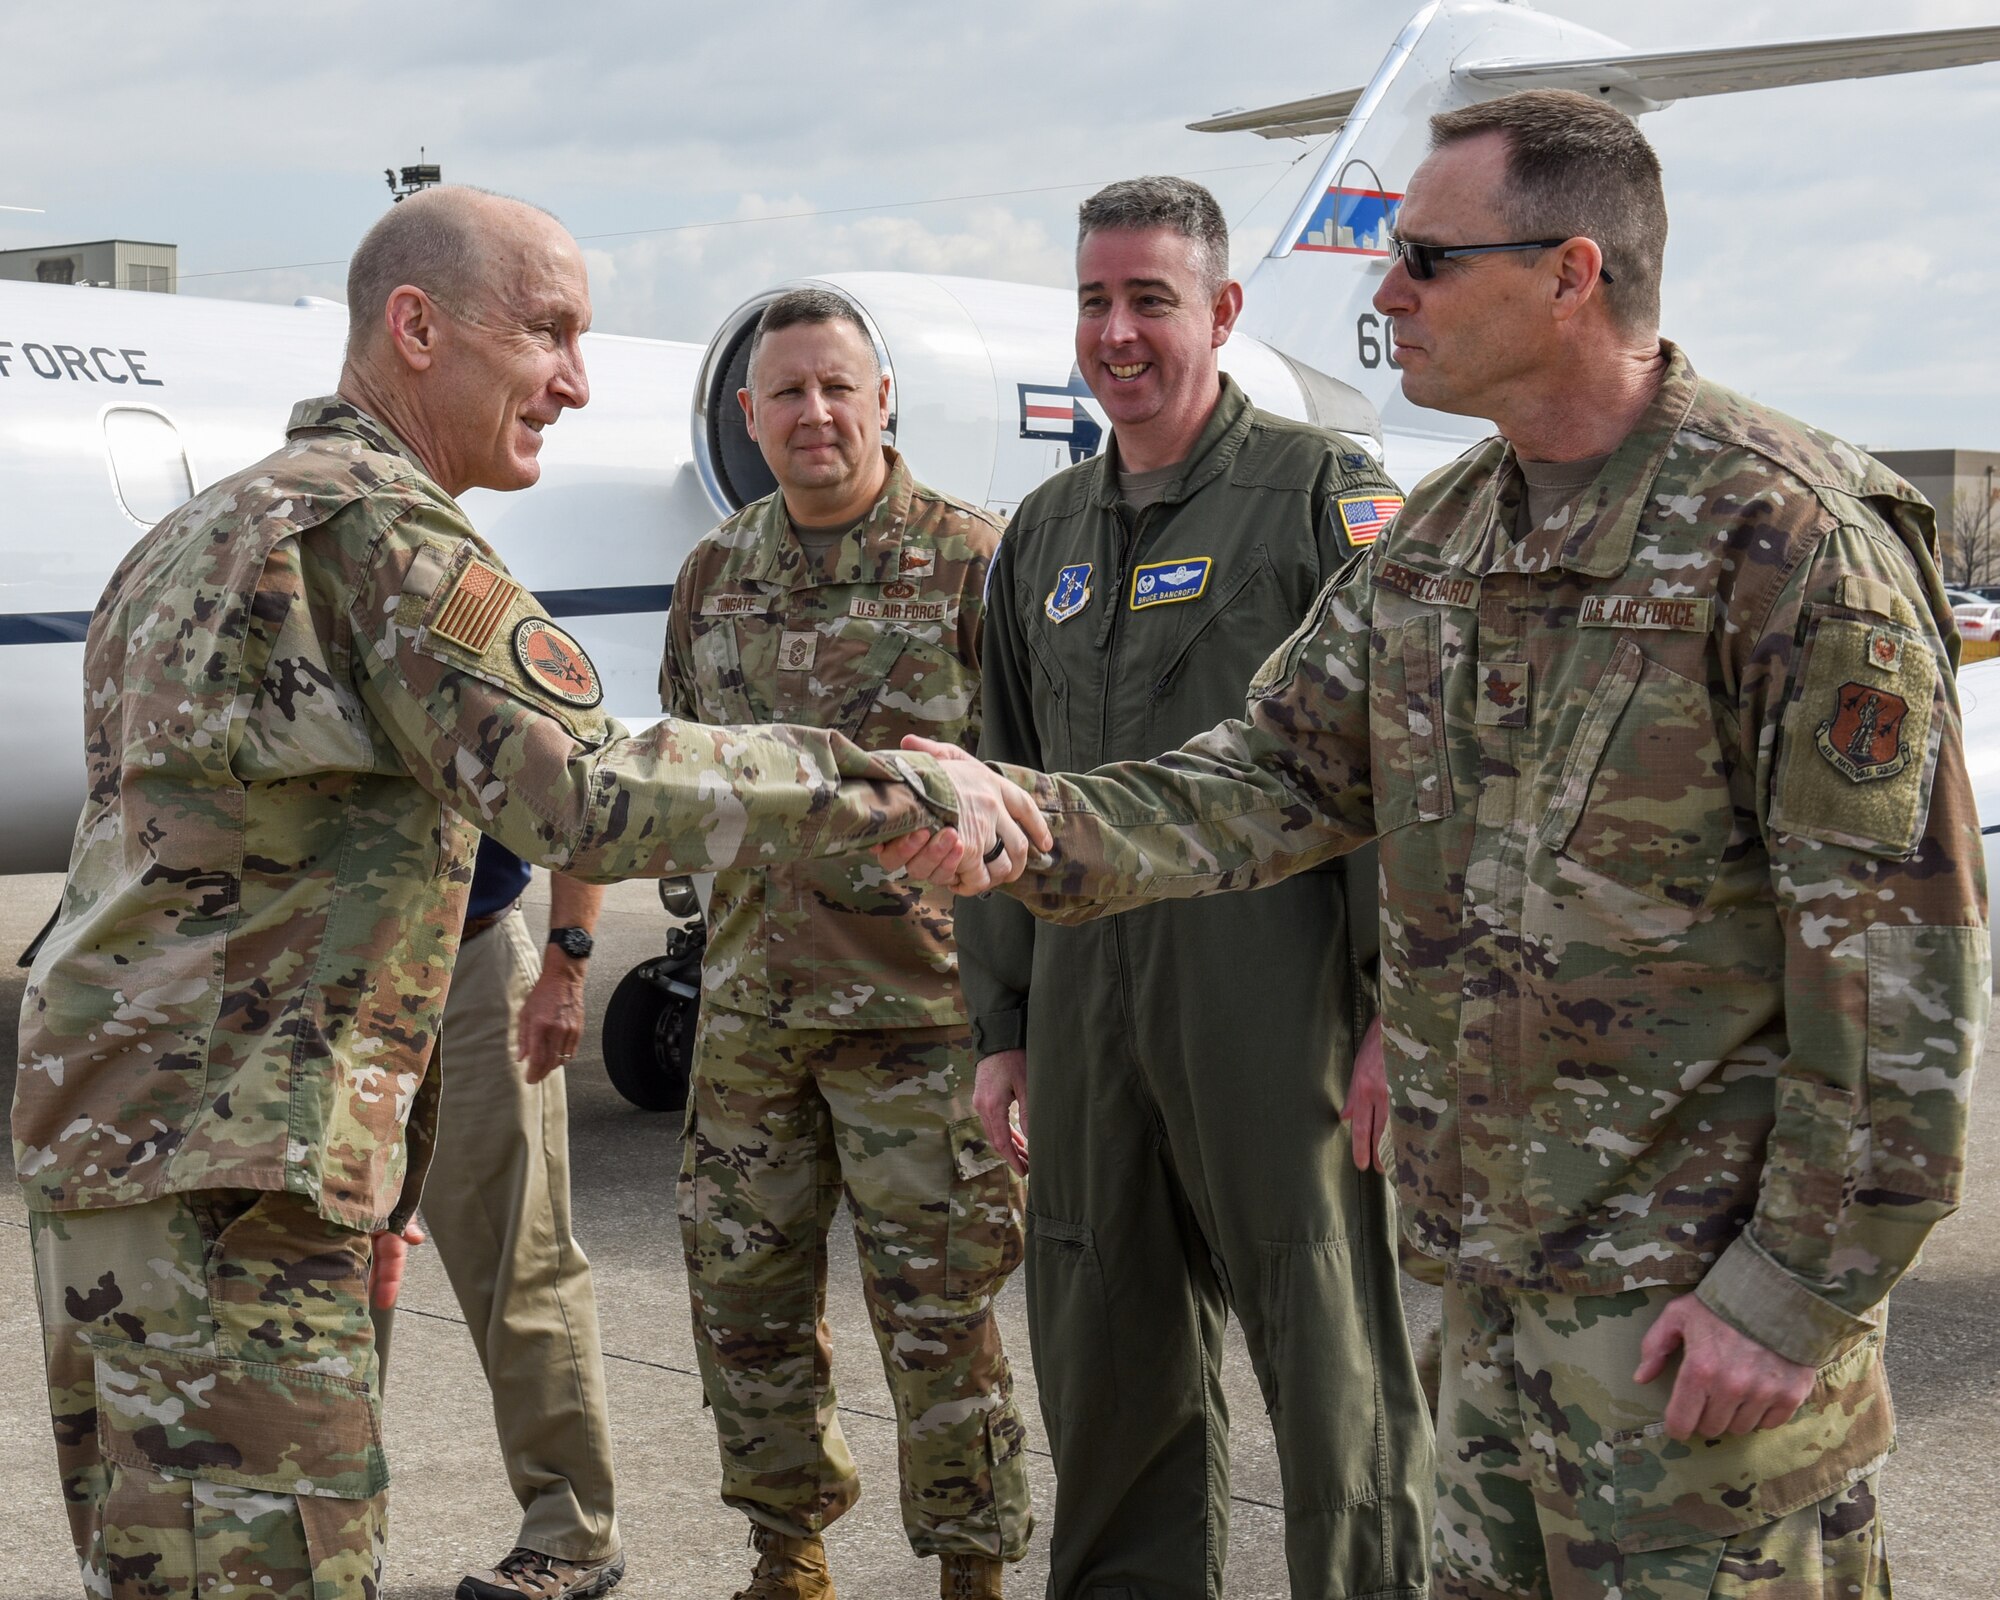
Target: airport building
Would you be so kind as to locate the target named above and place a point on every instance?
(106, 264)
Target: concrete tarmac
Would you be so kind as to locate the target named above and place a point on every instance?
(453, 1511)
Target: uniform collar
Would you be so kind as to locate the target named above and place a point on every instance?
(1600, 543)
(1215, 448)
(331, 414)
(870, 552)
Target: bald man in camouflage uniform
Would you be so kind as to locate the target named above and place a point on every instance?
(833, 1052)
(1684, 935)
(304, 692)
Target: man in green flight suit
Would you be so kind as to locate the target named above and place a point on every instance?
(1188, 1066)
(306, 691)
(1649, 702)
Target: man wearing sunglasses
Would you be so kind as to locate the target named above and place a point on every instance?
(1649, 702)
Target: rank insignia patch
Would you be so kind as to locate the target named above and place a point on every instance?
(476, 607)
(1364, 516)
(796, 650)
(556, 662)
(1162, 583)
(1071, 593)
(1864, 736)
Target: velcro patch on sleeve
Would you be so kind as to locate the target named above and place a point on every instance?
(1859, 745)
(477, 605)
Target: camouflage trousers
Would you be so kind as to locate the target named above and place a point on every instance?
(212, 1381)
(1556, 1478)
(780, 1122)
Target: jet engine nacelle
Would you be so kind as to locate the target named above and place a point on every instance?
(984, 395)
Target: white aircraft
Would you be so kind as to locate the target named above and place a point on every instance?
(116, 407)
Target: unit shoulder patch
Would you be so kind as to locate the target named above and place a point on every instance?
(1859, 742)
(555, 662)
(477, 605)
(1163, 583)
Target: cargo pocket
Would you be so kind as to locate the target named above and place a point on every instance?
(250, 1426)
(984, 1230)
(1643, 798)
(1069, 1324)
(1667, 1493)
(1412, 771)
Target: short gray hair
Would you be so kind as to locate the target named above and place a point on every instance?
(801, 306)
(1579, 167)
(433, 241)
(1160, 202)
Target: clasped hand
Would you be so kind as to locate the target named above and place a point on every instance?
(999, 825)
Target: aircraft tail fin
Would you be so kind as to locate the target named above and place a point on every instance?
(1310, 297)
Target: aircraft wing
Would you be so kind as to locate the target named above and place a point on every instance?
(1647, 82)
(1322, 113)
(1679, 74)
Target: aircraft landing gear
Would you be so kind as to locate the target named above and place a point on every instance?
(649, 1025)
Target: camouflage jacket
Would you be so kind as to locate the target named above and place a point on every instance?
(1684, 947)
(303, 691)
(882, 642)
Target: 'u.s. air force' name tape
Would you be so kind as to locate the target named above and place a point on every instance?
(1162, 583)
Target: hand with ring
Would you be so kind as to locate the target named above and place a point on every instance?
(999, 825)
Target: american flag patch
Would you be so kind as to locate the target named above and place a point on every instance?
(1364, 516)
(476, 607)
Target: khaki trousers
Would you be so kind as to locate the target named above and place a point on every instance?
(496, 1204)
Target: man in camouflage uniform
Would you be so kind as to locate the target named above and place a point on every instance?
(303, 692)
(832, 1051)
(1190, 1155)
(1666, 769)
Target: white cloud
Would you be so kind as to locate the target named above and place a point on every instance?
(1831, 246)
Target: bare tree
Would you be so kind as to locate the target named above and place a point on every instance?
(1972, 538)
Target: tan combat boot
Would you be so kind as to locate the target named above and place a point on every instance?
(969, 1578)
(787, 1568)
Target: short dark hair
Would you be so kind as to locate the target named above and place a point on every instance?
(796, 306)
(1577, 166)
(432, 240)
(1161, 202)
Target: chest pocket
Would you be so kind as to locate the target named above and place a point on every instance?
(1643, 797)
(856, 670)
(1406, 727)
(718, 676)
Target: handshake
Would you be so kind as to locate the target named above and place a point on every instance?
(999, 829)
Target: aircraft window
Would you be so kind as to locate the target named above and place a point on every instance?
(149, 467)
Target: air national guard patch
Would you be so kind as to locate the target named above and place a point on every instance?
(1864, 736)
(1364, 516)
(1162, 583)
(476, 607)
(556, 662)
(1071, 593)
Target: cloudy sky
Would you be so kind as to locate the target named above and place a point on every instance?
(1833, 247)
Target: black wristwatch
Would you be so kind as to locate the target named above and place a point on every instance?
(573, 942)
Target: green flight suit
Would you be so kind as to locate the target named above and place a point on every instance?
(1187, 1063)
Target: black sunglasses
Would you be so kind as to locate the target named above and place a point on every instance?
(1421, 259)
